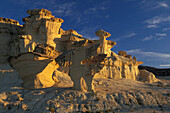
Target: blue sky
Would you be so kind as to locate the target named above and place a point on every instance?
(140, 27)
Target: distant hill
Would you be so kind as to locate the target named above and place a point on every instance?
(157, 71)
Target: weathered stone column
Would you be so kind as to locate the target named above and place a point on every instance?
(103, 35)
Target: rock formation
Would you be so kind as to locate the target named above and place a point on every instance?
(156, 71)
(147, 76)
(9, 29)
(40, 54)
(40, 47)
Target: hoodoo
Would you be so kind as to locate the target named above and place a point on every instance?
(40, 47)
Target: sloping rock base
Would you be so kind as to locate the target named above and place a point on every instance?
(121, 95)
(65, 100)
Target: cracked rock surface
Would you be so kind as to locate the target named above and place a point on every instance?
(121, 95)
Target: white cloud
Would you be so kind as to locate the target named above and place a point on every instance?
(89, 32)
(150, 58)
(152, 26)
(160, 38)
(163, 4)
(148, 38)
(153, 22)
(166, 29)
(160, 5)
(95, 9)
(161, 34)
(98, 8)
(154, 4)
(149, 54)
(157, 36)
(126, 36)
(164, 65)
(64, 9)
(158, 19)
(130, 35)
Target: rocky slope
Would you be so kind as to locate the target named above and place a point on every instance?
(111, 95)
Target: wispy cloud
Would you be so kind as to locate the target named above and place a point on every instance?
(161, 34)
(94, 9)
(64, 9)
(126, 36)
(149, 58)
(148, 38)
(164, 65)
(152, 26)
(89, 32)
(99, 9)
(149, 54)
(166, 29)
(154, 4)
(161, 5)
(157, 36)
(155, 21)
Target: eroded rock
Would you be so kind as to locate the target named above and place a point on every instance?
(9, 29)
(42, 44)
(34, 69)
(147, 76)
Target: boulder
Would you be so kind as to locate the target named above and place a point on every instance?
(146, 76)
(61, 79)
(122, 53)
(134, 58)
(128, 56)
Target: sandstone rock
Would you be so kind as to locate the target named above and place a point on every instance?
(34, 69)
(8, 21)
(47, 50)
(45, 55)
(134, 58)
(156, 71)
(122, 53)
(9, 29)
(117, 67)
(61, 79)
(147, 76)
(9, 77)
(160, 83)
(105, 45)
(42, 42)
(42, 26)
(129, 56)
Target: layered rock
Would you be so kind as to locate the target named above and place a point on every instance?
(42, 26)
(41, 46)
(117, 67)
(156, 71)
(9, 29)
(34, 69)
(147, 76)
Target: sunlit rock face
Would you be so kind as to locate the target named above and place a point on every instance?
(34, 69)
(42, 26)
(40, 47)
